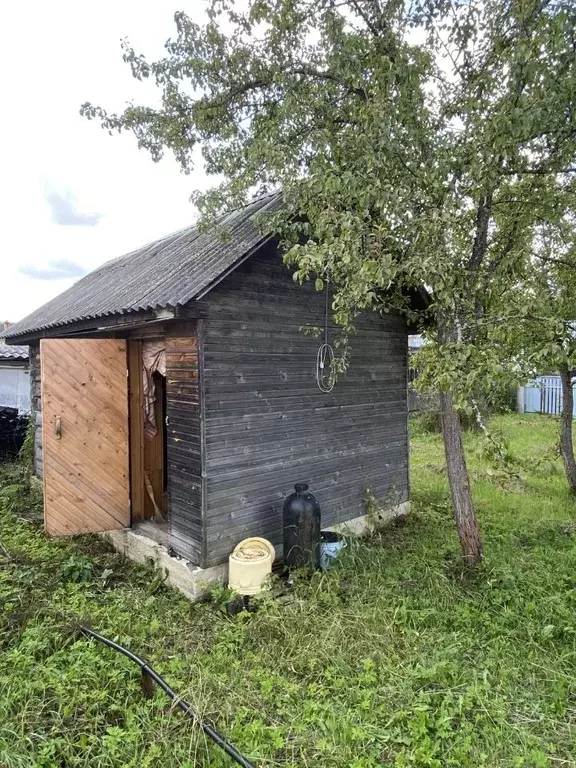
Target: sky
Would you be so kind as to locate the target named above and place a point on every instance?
(71, 196)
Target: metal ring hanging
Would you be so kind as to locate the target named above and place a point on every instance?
(325, 373)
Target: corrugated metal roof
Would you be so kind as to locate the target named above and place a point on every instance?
(167, 273)
(13, 352)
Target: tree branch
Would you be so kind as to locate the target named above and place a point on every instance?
(499, 258)
(365, 18)
(481, 238)
(326, 75)
(556, 260)
(538, 171)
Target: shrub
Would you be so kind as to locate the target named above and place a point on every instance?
(430, 422)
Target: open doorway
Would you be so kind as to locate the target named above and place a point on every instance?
(156, 505)
(148, 469)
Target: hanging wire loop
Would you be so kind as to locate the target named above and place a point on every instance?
(325, 373)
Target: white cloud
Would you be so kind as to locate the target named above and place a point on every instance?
(63, 54)
(65, 209)
(56, 269)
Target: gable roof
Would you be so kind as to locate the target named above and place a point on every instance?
(167, 273)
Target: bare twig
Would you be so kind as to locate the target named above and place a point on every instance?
(5, 552)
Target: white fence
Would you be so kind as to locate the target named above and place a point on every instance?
(543, 395)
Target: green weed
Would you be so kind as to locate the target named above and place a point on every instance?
(396, 658)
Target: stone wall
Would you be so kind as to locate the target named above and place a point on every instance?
(36, 407)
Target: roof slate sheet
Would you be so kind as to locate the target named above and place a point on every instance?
(167, 273)
(13, 352)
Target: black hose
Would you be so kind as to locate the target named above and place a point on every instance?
(180, 703)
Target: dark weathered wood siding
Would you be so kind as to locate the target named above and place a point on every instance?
(267, 425)
(183, 441)
(245, 419)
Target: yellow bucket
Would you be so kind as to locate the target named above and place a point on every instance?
(250, 565)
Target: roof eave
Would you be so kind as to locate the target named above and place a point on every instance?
(85, 325)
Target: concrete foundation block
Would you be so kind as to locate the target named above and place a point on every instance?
(194, 582)
(366, 524)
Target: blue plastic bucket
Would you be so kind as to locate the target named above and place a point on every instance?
(331, 544)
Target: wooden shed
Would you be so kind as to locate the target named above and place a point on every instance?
(175, 385)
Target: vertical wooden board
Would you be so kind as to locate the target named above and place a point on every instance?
(85, 435)
(183, 444)
(137, 487)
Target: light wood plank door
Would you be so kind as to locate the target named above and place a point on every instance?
(85, 435)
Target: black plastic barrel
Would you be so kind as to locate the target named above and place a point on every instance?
(301, 529)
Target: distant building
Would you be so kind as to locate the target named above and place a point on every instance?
(415, 342)
(14, 376)
(542, 395)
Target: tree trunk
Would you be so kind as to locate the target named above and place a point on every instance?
(462, 504)
(566, 444)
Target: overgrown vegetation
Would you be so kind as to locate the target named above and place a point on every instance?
(396, 658)
(502, 399)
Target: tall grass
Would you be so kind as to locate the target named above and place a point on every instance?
(395, 658)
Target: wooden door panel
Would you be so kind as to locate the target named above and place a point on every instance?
(85, 435)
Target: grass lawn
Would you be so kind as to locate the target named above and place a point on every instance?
(396, 658)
